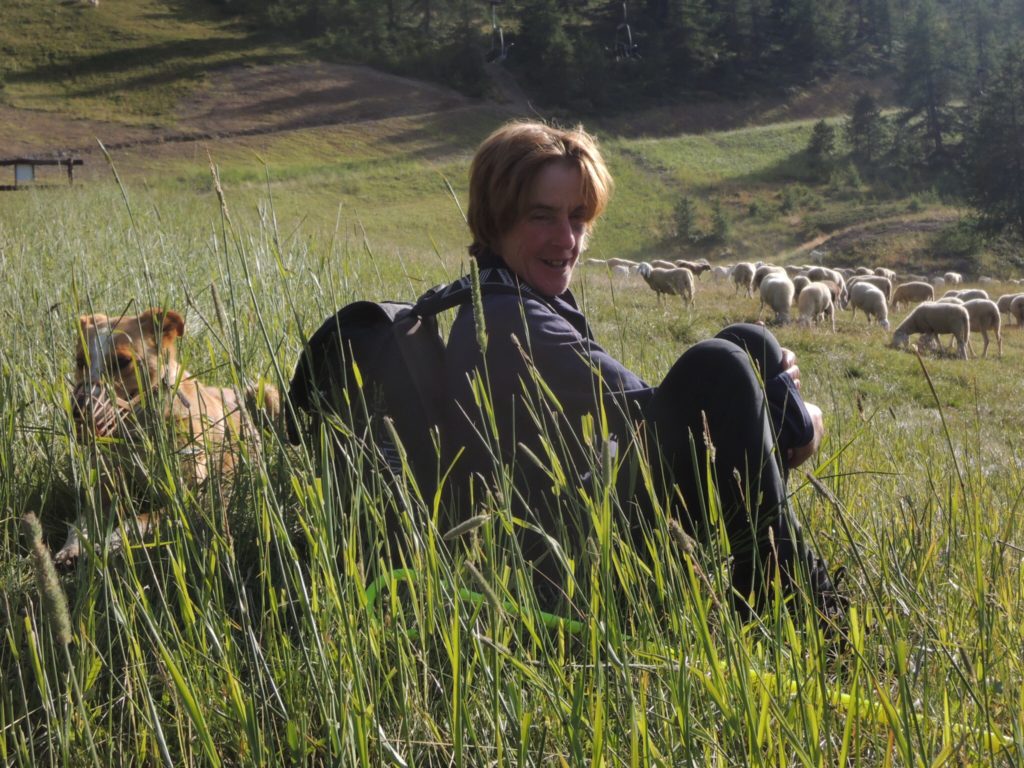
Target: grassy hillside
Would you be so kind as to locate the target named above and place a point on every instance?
(241, 634)
(125, 60)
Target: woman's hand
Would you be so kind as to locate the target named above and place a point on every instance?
(797, 456)
(789, 366)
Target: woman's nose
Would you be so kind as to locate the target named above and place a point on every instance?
(566, 234)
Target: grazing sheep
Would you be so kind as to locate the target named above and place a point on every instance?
(953, 278)
(1017, 310)
(817, 274)
(950, 300)
(985, 317)
(834, 288)
(616, 270)
(862, 271)
(763, 271)
(697, 267)
(1004, 301)
(678, 281)
(871, 300)
(799, 283)
(932, 318)
(938, 283)
(614, 262)
(912, 292)
(777, 292)
(662, 264)
(743, 277)
(820, 274)
(973, 293)
(886, 272)
(719, 273)
(815, 301)
(884, 284)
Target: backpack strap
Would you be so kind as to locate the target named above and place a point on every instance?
(493, 280)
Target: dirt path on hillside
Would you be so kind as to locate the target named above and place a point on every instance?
(882, 229)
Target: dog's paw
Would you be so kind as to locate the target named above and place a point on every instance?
(68, 555)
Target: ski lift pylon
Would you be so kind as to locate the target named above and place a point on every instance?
(499, 48)
(625, 47)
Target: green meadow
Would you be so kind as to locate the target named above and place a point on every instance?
(242, 635)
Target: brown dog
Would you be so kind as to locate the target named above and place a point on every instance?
(128, 386)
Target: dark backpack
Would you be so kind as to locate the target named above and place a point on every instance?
(399, 354)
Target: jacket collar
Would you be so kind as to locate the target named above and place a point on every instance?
(486, 258)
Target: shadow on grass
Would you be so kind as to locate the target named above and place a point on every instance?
(166, 62)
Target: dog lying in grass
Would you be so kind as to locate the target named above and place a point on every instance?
(130, 392)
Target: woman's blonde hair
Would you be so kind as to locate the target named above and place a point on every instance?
(506, 164)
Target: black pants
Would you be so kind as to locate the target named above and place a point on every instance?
(713, 392)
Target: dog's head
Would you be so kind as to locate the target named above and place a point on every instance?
(116, 360)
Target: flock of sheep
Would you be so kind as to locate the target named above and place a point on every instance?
(817, 291)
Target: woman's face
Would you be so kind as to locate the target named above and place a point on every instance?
(543, 246)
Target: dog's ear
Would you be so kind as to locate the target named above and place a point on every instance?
(172, 325)
(88, 321)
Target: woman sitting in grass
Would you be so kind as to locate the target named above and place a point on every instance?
(535, 193)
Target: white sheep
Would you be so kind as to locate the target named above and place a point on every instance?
(719, 273)
(871, 300)
(938, 283)
(815, 301)
(820, 274)
(675, 281)
(743, 277)
(973, 293)
(834, 288)
(884, 284)
(953, 278)
(1017, 309)
(777, 292)
(799, 283)
(932, 318)
(629, 264)
(915, 292)
(1004, 301)
(985, 317)
(886, 272)
(764, 270)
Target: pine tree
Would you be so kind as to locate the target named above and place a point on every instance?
(866, 130)
(926, 80)
(544, 50)
(995, 149)
(822, 144)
